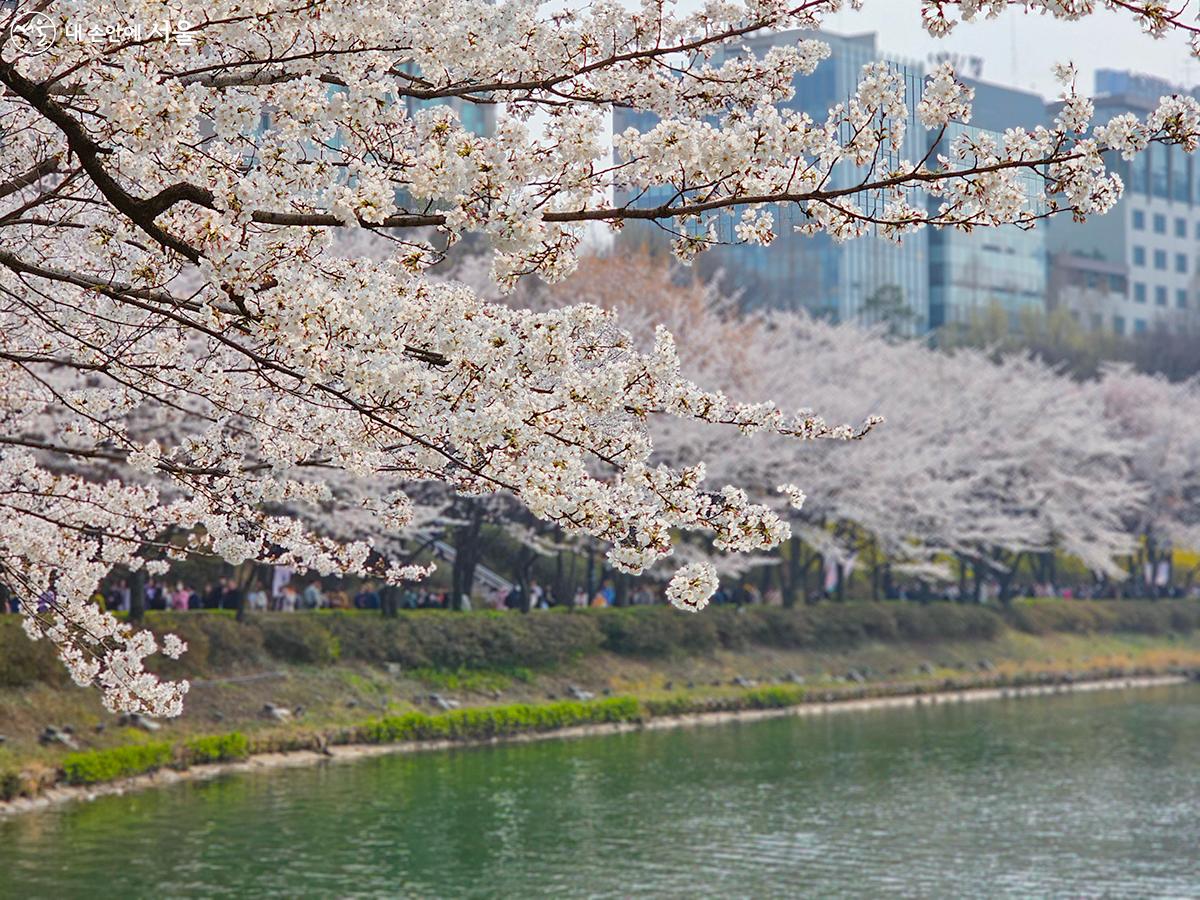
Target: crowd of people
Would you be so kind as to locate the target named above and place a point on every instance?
(288, 596)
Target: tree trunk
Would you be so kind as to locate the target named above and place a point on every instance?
(1006, 580)
(568, 595)
(819, 566)
(764, 581)
(243, 599)
(389, 601)
(137, 596)
(794, 573)
(525, 560)
(466, 555)
(621, 587)
(558, 591)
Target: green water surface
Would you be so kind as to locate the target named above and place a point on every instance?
(1085, 795)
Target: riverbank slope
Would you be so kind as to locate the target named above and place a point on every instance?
(306, 682)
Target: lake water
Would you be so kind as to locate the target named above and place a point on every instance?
(1087, 795)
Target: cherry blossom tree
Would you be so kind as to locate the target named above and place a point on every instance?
(1162, 419)
(167, 208)
(995, 462)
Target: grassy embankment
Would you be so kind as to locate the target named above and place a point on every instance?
(358, 678)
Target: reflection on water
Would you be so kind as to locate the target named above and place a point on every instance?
(1089, 795)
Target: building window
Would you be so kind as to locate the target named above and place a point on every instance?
(1139, 292)
(1181, 228)
(1181, 178)
(1139, 326)
(1118, 324)
(1116, 284)
(1139, 220)
(1158, 171)
(1160, 260)
(1160, 223)
(1181, 262)
(1181, 298)
(1139, 255)
(1160, 296)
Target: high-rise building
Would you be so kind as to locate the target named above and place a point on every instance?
(1006, 266)
(935, 276)
(1137, 267)
(815, 273)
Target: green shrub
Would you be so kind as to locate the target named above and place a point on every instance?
(94, 766)
(658, 631)
(11, 784)
(216, 641)
(298, 639)
(1045, 616)
(427, 639)
(770, 697)
(947, 622)
(777, 697)
(24, 662)
(785, 628)
(502, 642)
(486, 722)
(676, 705)
(217, 748)
(232, 645)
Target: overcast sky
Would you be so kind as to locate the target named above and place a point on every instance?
(1019, 49)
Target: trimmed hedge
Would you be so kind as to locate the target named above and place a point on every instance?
(503, 641)
(94, 766)
(217, 748)
(488, 722)
(304, 640)
(658, 631)
(480, 640)
(1088, 616)
(23, 661)
(770, 697)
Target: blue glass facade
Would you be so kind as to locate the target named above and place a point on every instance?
(987, 267)
(941, 275)
(815, 273)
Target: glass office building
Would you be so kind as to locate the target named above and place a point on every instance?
(973, 271)
(941, 276)
(1005, 267)
(815, 273)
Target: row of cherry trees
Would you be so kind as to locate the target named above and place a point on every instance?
(980, 467)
